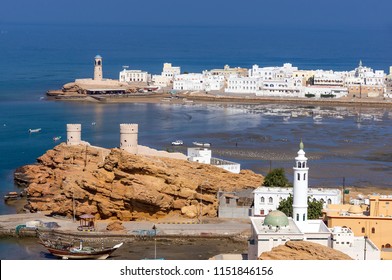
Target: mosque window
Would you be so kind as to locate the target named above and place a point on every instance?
(270, 200)
(299, 177)
(299, 165)
(373, 230)
(262, 199)
(304, 176)
(329, 201)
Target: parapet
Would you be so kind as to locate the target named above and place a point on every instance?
(74, 127)
(128, 128)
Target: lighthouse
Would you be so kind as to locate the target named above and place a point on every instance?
(98, 68)
(300, 187)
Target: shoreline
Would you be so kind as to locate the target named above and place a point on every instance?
(208, 98)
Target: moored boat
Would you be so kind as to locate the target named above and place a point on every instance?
(201, 144)
(177, 143)
(57, 138)
(34, 130)
(66, 250)
(12, 196)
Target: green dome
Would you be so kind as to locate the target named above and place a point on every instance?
(276, 218)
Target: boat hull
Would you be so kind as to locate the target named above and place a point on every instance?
(80, 255)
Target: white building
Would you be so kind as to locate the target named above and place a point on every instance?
(191, 81)
(204, 155)
(267, 199)
(238, 84)
(167, 76)
(288, 87)
(276, 228)
(324, 91)
(131, 76)
(272, 73)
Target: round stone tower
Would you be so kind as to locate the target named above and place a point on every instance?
(98, 68)
(128, 137)
(74, 132)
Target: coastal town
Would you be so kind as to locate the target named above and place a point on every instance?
(135, 191)
(282, 82)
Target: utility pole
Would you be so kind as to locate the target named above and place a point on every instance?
(155, 241)
(364, 249)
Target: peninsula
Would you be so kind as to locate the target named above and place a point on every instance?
(285, 84)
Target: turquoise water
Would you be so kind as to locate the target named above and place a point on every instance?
(35, 58)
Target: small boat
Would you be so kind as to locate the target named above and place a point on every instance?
(201, 144)
(57, 138)
(11, 196)
(35, 130)
(66, 250)
(317, 118)
(93, 123)
(177, 143)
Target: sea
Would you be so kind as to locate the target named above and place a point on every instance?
(345, 142)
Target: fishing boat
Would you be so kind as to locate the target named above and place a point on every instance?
(34, 130)
(12, 196)
(66, 250)
(201, 144)
(57, 138)
(177, 143)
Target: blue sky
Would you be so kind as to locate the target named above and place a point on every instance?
(326, 13)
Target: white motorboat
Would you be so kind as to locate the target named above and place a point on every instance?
(177, 143)
(31, 130)
(201, 144)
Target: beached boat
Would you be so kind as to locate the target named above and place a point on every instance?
(12, 196)
(34, 130)
(66, 250)
(57, 138)
(201, 144)
(177, 143)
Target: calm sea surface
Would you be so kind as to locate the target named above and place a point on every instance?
(347, 142)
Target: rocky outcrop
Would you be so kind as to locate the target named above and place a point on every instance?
(118, 185)
(303, 250)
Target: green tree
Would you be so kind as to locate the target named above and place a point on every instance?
(314, 207)
(276, 178)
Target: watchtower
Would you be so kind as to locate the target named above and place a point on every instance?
(98, 68)
(74, 132)
(128, 137)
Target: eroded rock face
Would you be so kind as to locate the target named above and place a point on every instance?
(303, 250)
(116, 184)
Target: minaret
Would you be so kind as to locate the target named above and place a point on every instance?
(98, 68)
(300, 188)
(128, 137)
(74, 132)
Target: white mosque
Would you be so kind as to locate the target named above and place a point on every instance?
(276, 228)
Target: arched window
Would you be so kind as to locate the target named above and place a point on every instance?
(373, 230)
(387, 245)
(299, 165)
(298, 176)
(329, 201)
(297, 217)
(303, 217)
(303, 164)
(270, 200)
(304, 176)
(262, 199)
(363, 230)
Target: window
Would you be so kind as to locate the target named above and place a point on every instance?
(299, 165)
(227, 200)
(261, 211)
(363, 230)
(373, 230)
(270, 200)
(297, 217)
(303, 217)
(329, 201)
(262, 199)
(299, 177)
(304, 176)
